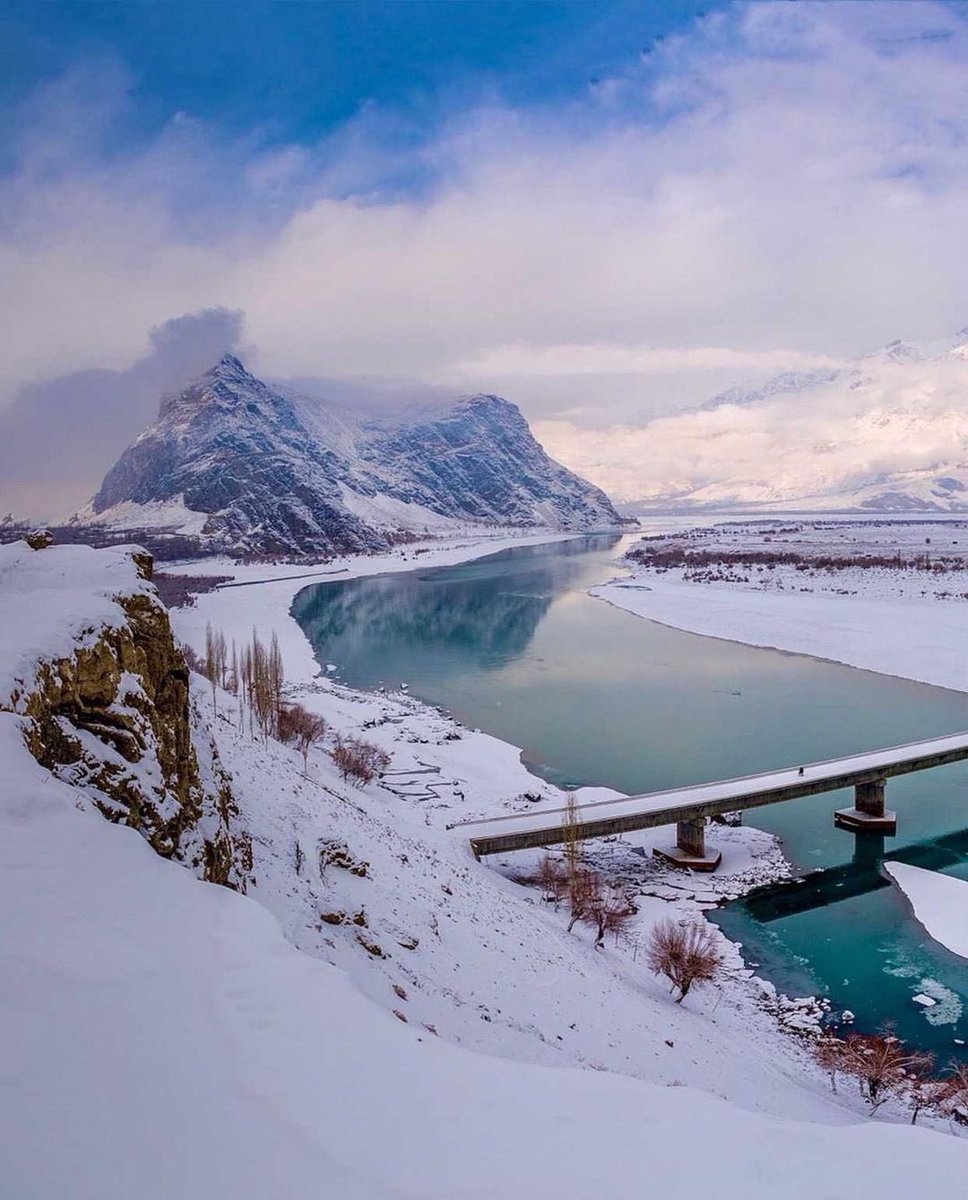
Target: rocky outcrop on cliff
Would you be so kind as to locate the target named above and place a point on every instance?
(252, 469)
(89, 664)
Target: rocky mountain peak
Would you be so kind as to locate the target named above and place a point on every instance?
(261, 471)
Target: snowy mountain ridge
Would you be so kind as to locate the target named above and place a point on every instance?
(886, 433)
(256, 469)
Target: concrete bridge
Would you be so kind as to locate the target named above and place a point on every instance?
(690, 808)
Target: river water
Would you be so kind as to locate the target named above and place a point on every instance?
(514, 645)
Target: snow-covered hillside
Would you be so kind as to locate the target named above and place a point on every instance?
(380, 1016)
(254, 469)
(886, 433)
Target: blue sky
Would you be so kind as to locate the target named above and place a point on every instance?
(607, 211)
(298, 70)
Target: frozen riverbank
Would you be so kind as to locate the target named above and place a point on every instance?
(904, 621)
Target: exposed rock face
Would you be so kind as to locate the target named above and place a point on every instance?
(256, 470)
(114, 719)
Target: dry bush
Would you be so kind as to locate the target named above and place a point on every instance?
(686, 954)
(300, 728)
(359, 760)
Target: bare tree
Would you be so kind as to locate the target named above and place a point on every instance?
(882, 1065)
(584, 894)
(686, 954)
(829, 1053)
(301, 728)
(215, 659)
(954, 1101)
(359, 760)
(574, 846)
(263, 683)
(926, 1091)
(552, 878)
(609, 910)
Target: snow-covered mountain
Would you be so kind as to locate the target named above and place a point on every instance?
(885, 433)
(257, 469)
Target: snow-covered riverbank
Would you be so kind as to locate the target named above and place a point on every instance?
(174, 1014)
(912, 623)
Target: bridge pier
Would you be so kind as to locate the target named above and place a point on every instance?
(690, 848)
(869, 814)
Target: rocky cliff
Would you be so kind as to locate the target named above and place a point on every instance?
(253, 469)
(89, 664)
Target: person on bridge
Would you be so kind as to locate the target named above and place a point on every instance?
(800, 772)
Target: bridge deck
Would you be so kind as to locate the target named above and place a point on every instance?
(543, 827)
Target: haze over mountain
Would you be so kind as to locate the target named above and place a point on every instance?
(885, 432)
(251, 468)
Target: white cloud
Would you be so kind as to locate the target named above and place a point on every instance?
(785, 184)
(520, 360)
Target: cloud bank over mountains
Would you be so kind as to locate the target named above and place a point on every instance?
(894, 421)
(783, 186)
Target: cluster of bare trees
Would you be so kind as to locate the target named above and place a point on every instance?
(254, 675)
(591, 901)
(665, 557)
(685, 953)
(884, 1067)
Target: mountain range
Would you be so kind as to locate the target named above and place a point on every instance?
(887, 432)
(250, 468)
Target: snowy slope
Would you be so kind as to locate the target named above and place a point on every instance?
(164, 1038)
(273, 472)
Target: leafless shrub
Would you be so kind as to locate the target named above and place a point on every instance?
(359, 760)
(300, 728)
(686, 954)
(192, 660)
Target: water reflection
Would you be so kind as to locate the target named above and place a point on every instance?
(479, 615)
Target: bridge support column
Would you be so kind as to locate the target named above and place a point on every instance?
(869, 814)
(690, 848)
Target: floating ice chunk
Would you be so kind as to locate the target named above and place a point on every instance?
(940, 903)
